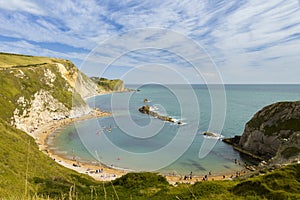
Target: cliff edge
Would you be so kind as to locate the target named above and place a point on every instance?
(35, 90)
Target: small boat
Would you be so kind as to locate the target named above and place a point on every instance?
(212, 135)
(108, 129)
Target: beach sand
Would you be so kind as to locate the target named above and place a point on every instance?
(99, 171)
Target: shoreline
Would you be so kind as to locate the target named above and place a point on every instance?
(100, 171)
(41, 136)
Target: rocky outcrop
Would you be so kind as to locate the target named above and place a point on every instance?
(41, 90)
(41, 109)
(146, 110)
(273, 133)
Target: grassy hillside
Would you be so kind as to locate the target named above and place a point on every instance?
(280, 184)
(12, 87)
(26, 172)
(8, 60)
(27, 78)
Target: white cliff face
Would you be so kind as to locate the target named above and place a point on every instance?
(83, 85)
(42, 109)
(42, 106)
(49, 77)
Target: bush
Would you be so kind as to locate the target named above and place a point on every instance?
(141, 180)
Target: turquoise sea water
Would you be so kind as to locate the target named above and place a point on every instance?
(141, 145)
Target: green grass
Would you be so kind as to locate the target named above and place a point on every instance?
(27, 173)
(21, 162)
(290, 152)
(12, 87)
(280, 184)
(8, 60)
(45, 178)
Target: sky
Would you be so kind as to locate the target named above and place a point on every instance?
(212, 41)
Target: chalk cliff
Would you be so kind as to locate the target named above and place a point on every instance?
(36, 90)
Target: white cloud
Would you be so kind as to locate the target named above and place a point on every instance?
(237, 34)
(21, 5)
(30, 49)
(254, 40)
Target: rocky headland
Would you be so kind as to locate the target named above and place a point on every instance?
(107, 85)
(272, 135)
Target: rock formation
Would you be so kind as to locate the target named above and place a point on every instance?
(146, 110)
(272, 133)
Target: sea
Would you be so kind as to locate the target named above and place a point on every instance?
(135, 141)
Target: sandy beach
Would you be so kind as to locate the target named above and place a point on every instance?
(100, 171)
(97, 171)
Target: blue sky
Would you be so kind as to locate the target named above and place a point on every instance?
(244, 41)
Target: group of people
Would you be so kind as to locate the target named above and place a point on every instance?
(205, 177)
(98, 171)
(237, 173)
(190, 176)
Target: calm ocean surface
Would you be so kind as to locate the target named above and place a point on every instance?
(95, 139)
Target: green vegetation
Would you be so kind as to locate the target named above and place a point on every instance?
(274, 111)
(25, 82)
(12, 88)
(291, 124)
(283, 183)
(143, 180)
(27, 173)
(8, 60)
(290, 152)
(108, 85)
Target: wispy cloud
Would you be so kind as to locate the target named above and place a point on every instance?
(241, 36)
(31, 49)
(21, 6)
